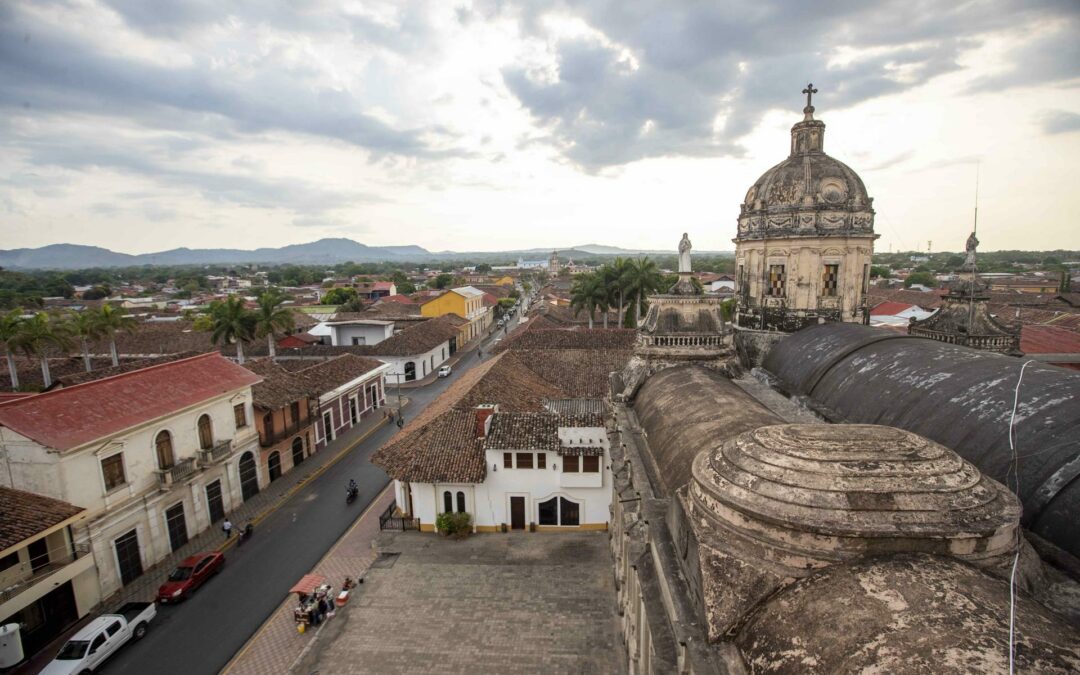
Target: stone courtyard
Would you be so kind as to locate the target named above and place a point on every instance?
(492, 603)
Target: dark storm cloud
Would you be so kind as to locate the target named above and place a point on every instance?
(152, 160)
(700, 61)
(43, 69)
(1059, 121)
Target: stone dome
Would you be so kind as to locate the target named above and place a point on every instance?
(805, 496)
(807, 194)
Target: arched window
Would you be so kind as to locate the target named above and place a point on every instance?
(163, 444)
(410, 371)
(206, 433)
(448, 502)
(461, 502)
(273, 463)
(297, 450)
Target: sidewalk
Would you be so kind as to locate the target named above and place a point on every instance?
(253, 510)
(278, 646)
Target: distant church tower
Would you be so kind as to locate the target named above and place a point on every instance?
(553, 263)
(806, 239)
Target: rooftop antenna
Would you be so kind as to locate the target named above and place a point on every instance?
(974, 230)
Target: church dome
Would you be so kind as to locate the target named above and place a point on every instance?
(807, 194)
(822, 493)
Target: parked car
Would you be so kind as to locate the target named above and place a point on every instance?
(191, 573)
(445, 371)
(101, 638)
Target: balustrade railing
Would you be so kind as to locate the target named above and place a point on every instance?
(176, 474)
(220, 451)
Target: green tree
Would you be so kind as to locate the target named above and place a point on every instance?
(36, 335)
(84, 326)
(483, 268)
(271, 318)
(588, 293)
(111, 321)
(232, 322)
(405, 287)
(10, 326)
(880, 272)
(923, 278)
(339, 296)
(443, 280)
(97, 293)
(642, 277)
(353, 305)
(613, 275)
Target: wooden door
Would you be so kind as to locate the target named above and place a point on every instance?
(517, 513)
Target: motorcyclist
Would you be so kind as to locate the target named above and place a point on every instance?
(353, 487)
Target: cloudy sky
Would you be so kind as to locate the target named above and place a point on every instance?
(145, 125)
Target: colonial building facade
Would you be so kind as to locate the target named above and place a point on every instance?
(155, 456)
(805, 239)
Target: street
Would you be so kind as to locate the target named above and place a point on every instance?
(201, 634)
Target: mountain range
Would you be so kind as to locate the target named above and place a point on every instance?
(323, 251)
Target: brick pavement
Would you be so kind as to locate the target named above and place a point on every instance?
(277, 644)
(493, 603)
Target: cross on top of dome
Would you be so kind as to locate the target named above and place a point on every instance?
(809, 91)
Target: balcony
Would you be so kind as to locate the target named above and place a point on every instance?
(177, 473)
(71, 565)
(266, 439)
(218, 453)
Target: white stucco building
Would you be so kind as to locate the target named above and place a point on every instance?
(534, 471)
(154, 456)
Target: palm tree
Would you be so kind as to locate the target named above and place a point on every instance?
(642, 277)
(589, 293)
(37, 333)
(613, 275)
(10, 324)
(232, 322)
(271, 318)
(111, 321)
(85, 326)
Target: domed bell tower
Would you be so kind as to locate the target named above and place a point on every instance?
(806, 239)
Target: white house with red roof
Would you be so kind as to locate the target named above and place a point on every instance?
(154, 455)
(890, 313)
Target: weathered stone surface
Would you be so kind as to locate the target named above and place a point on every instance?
(913, 613)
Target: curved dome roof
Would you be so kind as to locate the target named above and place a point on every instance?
(807, 194)
(827, 492)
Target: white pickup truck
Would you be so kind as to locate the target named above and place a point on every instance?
(99, 639)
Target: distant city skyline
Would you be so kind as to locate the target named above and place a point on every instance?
(494, 126)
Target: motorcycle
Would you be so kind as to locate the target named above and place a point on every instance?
(351, 494)
(245, 534)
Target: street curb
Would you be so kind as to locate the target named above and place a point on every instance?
(304, 481)
(255, 636)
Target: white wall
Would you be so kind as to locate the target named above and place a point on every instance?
(368, 334)
(76, 477)
(436, 356)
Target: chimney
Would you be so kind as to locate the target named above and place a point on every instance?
(484, 412)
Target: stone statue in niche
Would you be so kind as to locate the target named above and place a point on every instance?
(684, 254)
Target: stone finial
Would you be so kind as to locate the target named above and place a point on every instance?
(809, 109)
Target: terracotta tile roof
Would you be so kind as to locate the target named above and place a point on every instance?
(497, 291)
(392, 310)
(511, 384)
(279, 387)
(598, 338)
(25, 514)
(398, 298)
(1066, 321)
(533, 431)
(579, 373)
(333, 373)
(125, 366)
(889, 308)
(69, 417)
(1049, 340)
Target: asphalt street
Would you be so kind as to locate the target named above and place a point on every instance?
(201, 634)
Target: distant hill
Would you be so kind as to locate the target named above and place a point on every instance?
(321, 252)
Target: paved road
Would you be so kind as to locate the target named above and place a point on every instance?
(202, 634)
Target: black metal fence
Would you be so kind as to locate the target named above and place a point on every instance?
(389, 521)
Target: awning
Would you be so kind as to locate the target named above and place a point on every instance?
(308, 584)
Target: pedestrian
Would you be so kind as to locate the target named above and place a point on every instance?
(226, 527)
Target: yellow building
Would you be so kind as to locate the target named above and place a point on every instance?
(504, 281)
(466, 302)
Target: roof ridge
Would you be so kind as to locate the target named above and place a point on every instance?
(109, 378)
